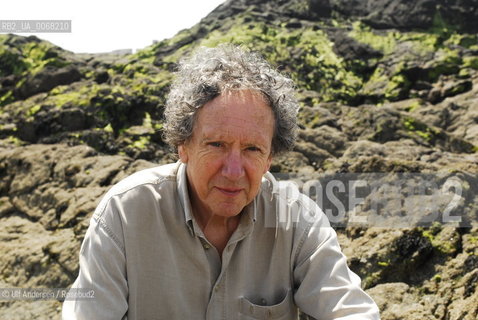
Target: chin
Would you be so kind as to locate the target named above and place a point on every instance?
(229, 211)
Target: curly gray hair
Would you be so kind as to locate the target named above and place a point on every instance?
(213, 71)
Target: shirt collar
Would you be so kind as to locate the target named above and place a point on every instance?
(184, 197)
(250, 210)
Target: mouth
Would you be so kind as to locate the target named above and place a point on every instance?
(231, 192)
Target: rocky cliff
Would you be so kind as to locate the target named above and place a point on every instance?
(386, 87)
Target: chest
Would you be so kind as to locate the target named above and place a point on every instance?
(184, 275)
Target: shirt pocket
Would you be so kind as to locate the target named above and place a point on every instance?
(282, 310)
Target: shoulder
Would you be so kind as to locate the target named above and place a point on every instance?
(156, 176)
(290, 205)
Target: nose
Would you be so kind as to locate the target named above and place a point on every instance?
(233, 168)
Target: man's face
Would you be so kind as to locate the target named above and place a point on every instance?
(228, 152)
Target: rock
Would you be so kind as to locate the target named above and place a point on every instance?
(400, 14)
(38, 267)
(351, 49)
(456, 115)
(49, 195)
(290, 162)
(35, 258)
(404, 14)
(364, 148)
(73, 119)
(63, 187)
(445, 89)
(102, 77)
(6, 206)
(317, 116)
(47, 79)
(315, 155)
(399, 301)
(11, 64)
(378, 124)
(320, 8)
(388, 93)
(326, 138)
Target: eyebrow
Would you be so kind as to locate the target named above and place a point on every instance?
(257, 144)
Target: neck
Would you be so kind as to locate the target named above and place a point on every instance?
(217, 229)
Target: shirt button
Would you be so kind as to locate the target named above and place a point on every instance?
(263, 302)
(206, 246)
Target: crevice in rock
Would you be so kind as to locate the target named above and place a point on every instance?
(74, 221)
(55, 258)
(107, 180)
(18, 213)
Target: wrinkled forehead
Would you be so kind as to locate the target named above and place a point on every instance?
(236, 107)
(243, 95)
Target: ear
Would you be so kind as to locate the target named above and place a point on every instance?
(183, 155)
(268, 164)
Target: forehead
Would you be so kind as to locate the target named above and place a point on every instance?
(242, 104)
(236, 110)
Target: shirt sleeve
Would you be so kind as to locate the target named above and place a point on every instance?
(325, 287)
(102, 272)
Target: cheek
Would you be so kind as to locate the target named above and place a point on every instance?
(262, 165)
(209, 168)
(256, 171)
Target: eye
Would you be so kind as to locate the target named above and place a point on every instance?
(215, 144)
(253, 148)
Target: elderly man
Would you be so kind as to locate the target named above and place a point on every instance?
(202, 238)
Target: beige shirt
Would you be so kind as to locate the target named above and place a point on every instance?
(145, 257)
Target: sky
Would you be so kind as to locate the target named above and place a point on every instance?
(103, 26)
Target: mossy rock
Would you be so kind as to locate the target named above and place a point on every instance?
(11, 61)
